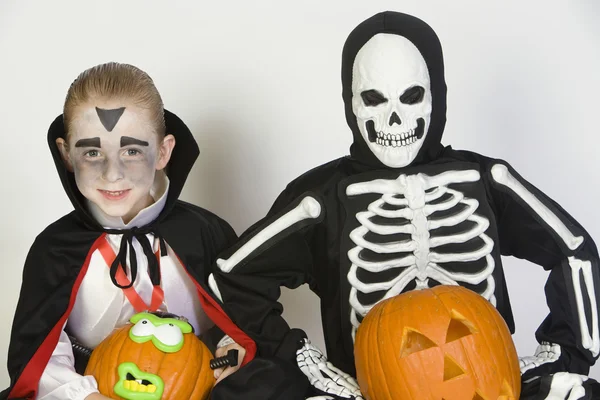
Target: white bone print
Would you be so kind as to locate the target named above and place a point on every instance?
(589, 340)
(308, 208)
(413, 200)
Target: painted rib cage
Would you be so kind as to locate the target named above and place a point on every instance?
(420, 233)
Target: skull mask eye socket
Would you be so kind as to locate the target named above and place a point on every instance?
(373, 98)
(413, 95)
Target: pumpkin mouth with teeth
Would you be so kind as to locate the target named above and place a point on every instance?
(134, 384)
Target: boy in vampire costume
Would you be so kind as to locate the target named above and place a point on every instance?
(402, 213)
(130, 245)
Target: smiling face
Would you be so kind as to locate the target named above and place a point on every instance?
(114, 151)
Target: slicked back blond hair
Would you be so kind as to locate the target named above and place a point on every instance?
(115, 81)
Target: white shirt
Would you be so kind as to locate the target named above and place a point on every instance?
(100, 306)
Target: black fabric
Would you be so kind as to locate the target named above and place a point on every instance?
(81, 354)
(269, 378)
(317, 254)
(263, 379)
(426, 40)
(58, 254)
(127, 246)
(539, 388)
(211, 338)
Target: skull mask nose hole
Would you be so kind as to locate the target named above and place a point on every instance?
(395, 119)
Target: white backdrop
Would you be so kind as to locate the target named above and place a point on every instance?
(259, 84)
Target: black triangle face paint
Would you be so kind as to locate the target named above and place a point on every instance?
(109, 118)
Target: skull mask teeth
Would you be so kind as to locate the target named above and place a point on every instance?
(391, 98)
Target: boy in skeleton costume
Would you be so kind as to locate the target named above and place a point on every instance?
(130, 245)
(402, 213)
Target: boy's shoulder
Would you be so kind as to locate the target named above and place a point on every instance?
(193, 218)
(321, 177)
(69, 228)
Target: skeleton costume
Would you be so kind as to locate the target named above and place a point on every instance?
(402, 213)
(71, 273)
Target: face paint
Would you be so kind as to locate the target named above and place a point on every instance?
(109, 118)
(128, 141)
(114, 158)
(93, 142)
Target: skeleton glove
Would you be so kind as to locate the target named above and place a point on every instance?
(560, 386)
(324, 376)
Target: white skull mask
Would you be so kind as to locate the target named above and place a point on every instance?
(391, 98)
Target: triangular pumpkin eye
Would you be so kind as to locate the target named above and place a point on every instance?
(459, 327)
(451, 369)
(478, 397)
(414, 342)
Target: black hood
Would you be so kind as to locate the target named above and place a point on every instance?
(183, 158)
(427, 42)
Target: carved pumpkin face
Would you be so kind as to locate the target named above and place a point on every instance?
(442, 343)
(153, 358)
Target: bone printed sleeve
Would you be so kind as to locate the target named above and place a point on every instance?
(271, 254)
(533, 227)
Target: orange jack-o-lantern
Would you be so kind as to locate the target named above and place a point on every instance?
(441, 343)
(153, 358)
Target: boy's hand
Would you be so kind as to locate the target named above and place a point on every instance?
(222, 373)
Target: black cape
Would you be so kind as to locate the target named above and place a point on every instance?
(59, 257)
(316, 251)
